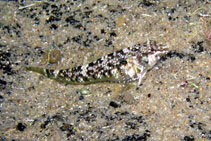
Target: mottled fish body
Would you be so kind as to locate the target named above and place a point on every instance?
(126, 65)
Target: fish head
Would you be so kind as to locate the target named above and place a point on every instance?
(151, 53)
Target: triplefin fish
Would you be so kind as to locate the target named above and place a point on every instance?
(123, 66)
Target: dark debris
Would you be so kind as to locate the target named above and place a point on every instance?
(72, 21)
(198, 46)
(188, 138)
(68, 128)
(5, 63)
(146, 3)
(21, 126)
(12, 29)
(136, 137)
(172, 54)
(204, 133)
(114, 104)
(2, 84)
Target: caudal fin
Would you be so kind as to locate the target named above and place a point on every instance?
(45, 72)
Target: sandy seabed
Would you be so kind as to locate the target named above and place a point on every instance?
(172, 104)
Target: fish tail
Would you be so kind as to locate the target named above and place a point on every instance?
(46, 72)
(52, 74)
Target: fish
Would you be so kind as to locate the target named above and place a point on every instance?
(124, 66)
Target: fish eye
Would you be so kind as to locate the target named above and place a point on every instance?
(145, 60)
